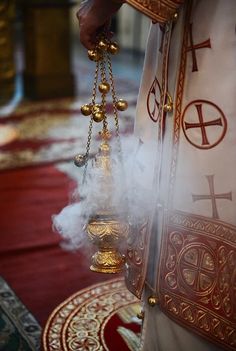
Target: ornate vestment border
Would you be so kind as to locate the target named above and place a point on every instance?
(197, 276)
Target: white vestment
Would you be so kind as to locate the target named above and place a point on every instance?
(190, 264)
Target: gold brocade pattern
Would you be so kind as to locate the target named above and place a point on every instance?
(160, 11)
(79, 322)
(136, 252)
(197, 282)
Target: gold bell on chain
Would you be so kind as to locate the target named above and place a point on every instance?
(96, 108)
(168, 107)
(103, 45)
(98, 116)
(94, 55)
(86, 109)
(113, 48)
(122, 105)
(104, 87)
(80, 160)
(153, 301)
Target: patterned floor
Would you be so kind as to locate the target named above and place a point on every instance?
(32, 133)
(100, 317)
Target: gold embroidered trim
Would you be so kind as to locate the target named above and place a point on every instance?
(197, 276)
(160, 11)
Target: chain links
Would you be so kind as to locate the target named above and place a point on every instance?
(114, 104)
(90, 129)
(98, 111)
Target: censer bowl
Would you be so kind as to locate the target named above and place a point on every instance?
(108, 233)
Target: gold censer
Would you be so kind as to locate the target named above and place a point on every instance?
(107, 228)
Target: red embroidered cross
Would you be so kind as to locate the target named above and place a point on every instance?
(212, 196)
(193, 47)
(153, 100)
(202, 124)
(156, 103)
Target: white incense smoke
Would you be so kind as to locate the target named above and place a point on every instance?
(132, 192)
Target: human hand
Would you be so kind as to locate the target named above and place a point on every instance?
(94, 16)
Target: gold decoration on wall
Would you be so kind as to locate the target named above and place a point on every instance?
(7, 67)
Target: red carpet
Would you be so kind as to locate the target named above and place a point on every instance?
(31, 260)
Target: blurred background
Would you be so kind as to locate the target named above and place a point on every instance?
(45, 77)
(40, 51)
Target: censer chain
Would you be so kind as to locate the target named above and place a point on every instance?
(98, 111)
